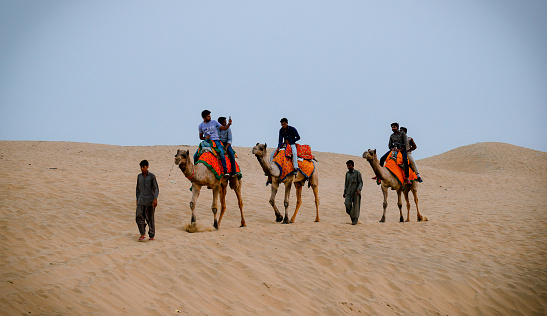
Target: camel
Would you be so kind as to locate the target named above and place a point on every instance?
(390, 181)
(200, 175)
(271, 169)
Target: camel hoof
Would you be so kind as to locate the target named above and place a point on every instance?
(292, 221)
(279, 218)
(215, 224)
(383, 220)
(408, 220)
(423, 219)
(243, 225)
(317, 220)
(286, 221)
(401, 220)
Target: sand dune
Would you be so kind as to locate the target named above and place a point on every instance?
(69, 238)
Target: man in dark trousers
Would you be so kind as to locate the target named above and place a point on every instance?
(352, 192)
(397, 142)
(147, 200)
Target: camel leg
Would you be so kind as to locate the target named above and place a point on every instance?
(195, 194)
(275, 186)
(315, 189)
(215, 205)
(237, 189)
(223, 189)
(288, 185)
(384, 191)
(400, 206)
(415, 194)
(298, 187)
(407, 205)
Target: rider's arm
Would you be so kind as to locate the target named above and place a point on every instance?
(412, 145)
(280, 142)
(296, 136)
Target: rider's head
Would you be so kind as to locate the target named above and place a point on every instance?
(206, 115)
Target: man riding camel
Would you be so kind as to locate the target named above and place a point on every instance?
(288, 136)
(397, 143)
(209, 129)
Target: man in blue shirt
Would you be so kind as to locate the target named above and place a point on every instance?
(288, 136)
(208, 129)
(225, 137)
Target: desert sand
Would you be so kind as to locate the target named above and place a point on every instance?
(69, 238)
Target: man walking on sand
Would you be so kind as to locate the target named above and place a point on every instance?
(352, 192)
(147, 200)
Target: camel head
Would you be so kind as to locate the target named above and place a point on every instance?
(369, 154)
(182, 157)
(260, 150)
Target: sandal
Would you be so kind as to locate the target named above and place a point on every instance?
(142, 238)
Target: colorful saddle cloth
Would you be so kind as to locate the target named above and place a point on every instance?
(396, 168)
(214, 164)
(208, 145)
(303, 151)
(307, 167)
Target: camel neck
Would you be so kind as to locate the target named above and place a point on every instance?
(377, 169)
(268, 166)
(188, 170)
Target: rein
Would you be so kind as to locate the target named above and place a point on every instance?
(193, 173)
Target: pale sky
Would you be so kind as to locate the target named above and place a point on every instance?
(140, 72)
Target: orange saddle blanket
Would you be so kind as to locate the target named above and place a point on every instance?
(307, 167)
(303, 151)
(214, 164)
(396, 168)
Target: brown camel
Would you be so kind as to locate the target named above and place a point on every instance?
(200, 175)
(390, 181)
(271, 169)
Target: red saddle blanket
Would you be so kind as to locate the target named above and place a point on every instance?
(307, 167)
(397, 168)
(214, 164)
(303, 151)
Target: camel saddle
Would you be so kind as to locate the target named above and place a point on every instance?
(284, 162)
(397, 169)
(213, 163)
(303, 151)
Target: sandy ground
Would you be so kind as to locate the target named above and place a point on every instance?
(69, 238)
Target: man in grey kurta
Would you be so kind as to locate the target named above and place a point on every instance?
(147, 200)
(352, 192)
